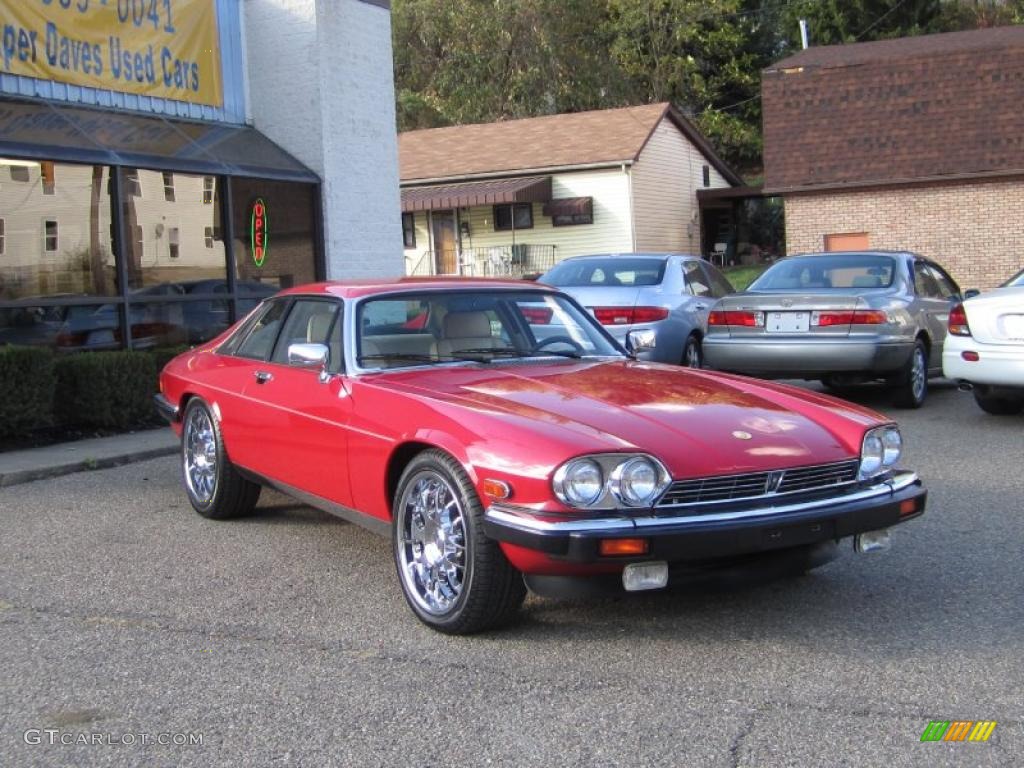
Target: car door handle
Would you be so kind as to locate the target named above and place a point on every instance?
(262, 377)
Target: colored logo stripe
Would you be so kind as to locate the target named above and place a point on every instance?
(958, 730)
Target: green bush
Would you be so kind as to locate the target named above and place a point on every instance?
(107, 390)
(26, 389)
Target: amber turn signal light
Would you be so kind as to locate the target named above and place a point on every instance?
(497, 489)
(613, 547)
(908, 507)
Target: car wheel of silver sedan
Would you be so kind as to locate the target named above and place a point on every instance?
(454, 578)
(912, 385)
(693, 356)
(214, 487)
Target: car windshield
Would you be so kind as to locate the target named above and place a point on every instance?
(829, 271)
(478, 326)
(1015, 281)
(606, 271)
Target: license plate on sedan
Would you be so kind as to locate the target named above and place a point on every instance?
(787, 322)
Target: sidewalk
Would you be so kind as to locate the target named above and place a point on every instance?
(96, 453)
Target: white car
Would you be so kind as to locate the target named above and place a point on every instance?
(984, 349)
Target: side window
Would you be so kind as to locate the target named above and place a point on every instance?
(720, 285)
(696, 280)
(309, 322)
(924, 283)
(947, 287)
(260, 341)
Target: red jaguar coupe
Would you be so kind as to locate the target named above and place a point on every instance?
(504, 440)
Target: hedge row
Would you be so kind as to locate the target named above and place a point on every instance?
(92, 390)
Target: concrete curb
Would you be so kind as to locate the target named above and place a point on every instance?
(102, 453)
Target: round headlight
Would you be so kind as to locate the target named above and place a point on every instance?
(638, 481)
(892, 444)
(871, 455)
(581, 483)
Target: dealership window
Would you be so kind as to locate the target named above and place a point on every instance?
(19, 171)
(278, 248)
(197, 258)
(209, 185)
(409, 230)
(168, 187)
(513, 216)
(50, 236)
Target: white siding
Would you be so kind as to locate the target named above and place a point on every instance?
(666, 178)
(610, 231)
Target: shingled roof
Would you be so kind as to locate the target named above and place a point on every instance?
(928, 108)
(540, 144)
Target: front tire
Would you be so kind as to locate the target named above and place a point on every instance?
(454, 578)
(997, 406)
(693, 355)
(213, 485)
(912, 385)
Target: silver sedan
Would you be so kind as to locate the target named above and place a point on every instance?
(655, 304)
(843, 318)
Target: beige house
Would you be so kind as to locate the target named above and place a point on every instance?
(513, 198)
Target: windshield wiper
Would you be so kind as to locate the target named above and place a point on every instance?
(513, 352)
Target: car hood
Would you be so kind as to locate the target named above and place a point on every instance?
(698, 423)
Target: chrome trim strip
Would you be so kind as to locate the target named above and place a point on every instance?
(511, 517)
(372, 524)
(885, 489)
(166, 408)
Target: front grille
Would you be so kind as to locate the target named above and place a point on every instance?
(708, 490)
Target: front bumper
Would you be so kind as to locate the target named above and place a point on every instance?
(166, 408)
(797, 356)
(703, 537)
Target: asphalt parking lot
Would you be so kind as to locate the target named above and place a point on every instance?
(284, 640)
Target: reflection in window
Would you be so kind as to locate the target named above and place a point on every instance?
(173, 242)
(132, 183)
(409, 230)
(168, 186)
(208, 188)
(50, 236)
(57, 243)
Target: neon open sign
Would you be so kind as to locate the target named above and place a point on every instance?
(258, 232)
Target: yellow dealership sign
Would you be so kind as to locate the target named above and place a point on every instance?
(162, 48)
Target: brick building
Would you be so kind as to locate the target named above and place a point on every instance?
(915, 144)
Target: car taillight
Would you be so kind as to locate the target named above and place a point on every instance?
(736, 317)
(847, 317)
(629, 315)
(537, 315)
(958, 321)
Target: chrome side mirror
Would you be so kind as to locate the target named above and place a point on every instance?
(640, 341)
(314, 356)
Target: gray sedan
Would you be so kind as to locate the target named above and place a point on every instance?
(841, 317)
(655, 304)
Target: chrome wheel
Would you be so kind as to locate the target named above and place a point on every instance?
(918, 374)
(691, 355)
(200, 455)
(432, 542)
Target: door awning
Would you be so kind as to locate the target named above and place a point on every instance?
(531, 189)
(75, 134)
(570, 206)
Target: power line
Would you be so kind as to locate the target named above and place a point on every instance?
(879, 20)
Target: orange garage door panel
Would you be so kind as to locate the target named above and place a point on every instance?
(848, 241)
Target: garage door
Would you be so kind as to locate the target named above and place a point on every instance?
(848, 241)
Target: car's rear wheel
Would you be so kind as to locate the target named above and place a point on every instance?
(455, 579)
(997, 406)
(213, 485)
(911, 386)
(693, 355)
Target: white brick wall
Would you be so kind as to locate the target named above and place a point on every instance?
(321, 86)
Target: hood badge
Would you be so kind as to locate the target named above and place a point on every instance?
(739, 434)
